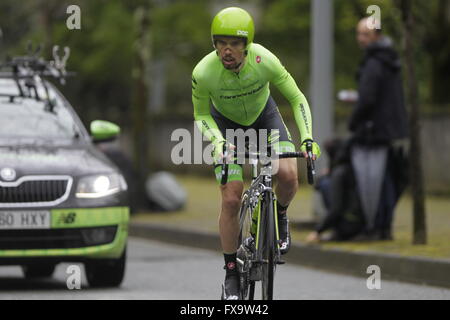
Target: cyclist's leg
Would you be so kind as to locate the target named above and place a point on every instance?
(287, 178)
(229, 234)
(285, 190)
(280, 138)
(231, 194)
(229, 215)
(285, 169)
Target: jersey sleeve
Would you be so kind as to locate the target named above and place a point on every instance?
(202, 114)
(281, 78)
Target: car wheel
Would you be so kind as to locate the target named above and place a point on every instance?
(33, 271)
(106, 273)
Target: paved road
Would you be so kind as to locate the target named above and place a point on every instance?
(160, 271)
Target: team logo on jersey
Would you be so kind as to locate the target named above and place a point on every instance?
(258, 59)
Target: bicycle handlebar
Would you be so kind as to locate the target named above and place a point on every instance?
(284, 155)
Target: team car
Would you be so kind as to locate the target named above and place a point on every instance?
(61, 198)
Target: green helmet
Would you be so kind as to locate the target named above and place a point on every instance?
(235, 22)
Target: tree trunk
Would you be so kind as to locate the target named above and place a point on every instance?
(140, 98)
(46, 10)
(437, 43)
(419, 221)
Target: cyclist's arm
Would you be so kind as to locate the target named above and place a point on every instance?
(287, 86)
(202, 114)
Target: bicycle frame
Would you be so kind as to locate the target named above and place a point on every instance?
(260, 188)
(259, 199)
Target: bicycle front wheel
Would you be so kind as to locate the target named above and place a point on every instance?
(245, 250)
(269, 247)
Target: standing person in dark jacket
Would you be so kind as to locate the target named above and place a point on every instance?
(378, 122)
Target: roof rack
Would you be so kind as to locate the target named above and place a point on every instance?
(33, 68)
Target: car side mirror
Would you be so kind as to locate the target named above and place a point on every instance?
(104, 131)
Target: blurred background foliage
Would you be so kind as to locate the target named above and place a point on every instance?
(103, 51)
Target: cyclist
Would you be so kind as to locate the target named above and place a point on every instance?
(236, 77)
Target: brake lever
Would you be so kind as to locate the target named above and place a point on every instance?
(310, 163)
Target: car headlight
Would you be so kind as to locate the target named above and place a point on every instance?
(100, 185)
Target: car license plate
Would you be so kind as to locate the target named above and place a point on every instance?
(24, 220)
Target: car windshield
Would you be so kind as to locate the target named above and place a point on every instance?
(34, 121)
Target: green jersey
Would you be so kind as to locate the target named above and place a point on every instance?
(241, 97)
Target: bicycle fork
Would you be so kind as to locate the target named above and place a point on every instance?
(262, 231)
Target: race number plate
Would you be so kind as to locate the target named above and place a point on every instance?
(25, 220)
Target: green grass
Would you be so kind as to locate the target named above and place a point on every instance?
(202, 211)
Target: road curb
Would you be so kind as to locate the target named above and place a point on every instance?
(434, 272)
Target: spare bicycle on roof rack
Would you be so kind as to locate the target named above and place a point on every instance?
(28, 71)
